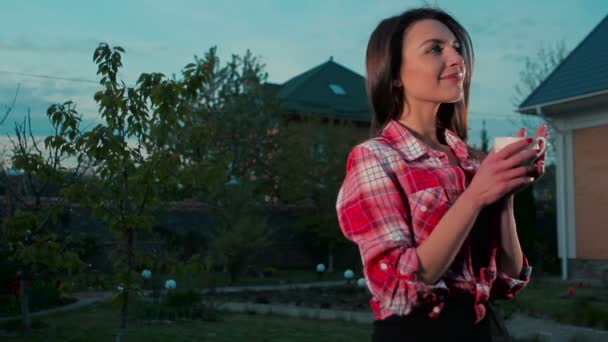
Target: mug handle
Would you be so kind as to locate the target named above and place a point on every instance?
(542, 143)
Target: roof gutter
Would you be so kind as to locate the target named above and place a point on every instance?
(533, 108)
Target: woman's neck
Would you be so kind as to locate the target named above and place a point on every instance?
(422, 120)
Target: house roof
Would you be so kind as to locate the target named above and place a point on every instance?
(583, 72)
(330, 89)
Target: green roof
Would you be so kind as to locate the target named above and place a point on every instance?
(329, 89)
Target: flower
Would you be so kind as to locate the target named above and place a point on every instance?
(320, 268)
(146, 274)
(349, 274)
(170, 284)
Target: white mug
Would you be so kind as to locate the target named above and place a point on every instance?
(502, 142)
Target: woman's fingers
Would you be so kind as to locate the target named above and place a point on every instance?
(521, 171)
(523, 158)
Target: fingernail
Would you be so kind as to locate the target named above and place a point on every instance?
(529, 140)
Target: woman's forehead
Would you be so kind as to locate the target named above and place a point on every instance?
(426, 29)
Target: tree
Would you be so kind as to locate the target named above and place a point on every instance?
(311, 171)
(534, 72)
(228, 140)
(27, 237)
(131, 164)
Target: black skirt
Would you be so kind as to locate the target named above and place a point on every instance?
(455, 323)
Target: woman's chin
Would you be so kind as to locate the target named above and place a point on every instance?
(453, 99)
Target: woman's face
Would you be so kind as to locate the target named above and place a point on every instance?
(432, 68)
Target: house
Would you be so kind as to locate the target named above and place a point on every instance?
(328, 90)
(574, 100)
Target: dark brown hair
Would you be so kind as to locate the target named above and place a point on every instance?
(383, 64)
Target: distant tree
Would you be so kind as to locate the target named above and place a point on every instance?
(533, 73)
(228, 141)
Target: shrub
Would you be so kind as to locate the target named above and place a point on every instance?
(179, 305)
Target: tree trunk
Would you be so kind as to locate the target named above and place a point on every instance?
(25, 307)
(126, 288)
(330, 257)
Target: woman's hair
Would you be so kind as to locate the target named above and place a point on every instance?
(383, 63)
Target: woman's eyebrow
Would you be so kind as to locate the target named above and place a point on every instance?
(436, 40)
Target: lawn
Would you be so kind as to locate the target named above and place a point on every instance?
(588, 306)
(99, 322)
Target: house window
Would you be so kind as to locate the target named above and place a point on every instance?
(337, 89)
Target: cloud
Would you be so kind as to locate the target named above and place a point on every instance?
(26, 43)
(35, 96)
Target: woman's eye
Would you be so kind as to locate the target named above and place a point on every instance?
(436, 49)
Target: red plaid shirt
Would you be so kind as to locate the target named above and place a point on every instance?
(395, 192)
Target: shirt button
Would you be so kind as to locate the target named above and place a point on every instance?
(436, 309)
(467, 164)
(383, 266)
(423, 208)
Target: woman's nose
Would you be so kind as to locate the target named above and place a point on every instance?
(455, 58)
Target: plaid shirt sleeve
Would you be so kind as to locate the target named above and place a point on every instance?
(372, 213)
(507, 287)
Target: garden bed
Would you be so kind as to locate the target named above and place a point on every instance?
(344, 298)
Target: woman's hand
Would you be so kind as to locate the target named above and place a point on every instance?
(542, 131)
(538, 170)
(503, 172)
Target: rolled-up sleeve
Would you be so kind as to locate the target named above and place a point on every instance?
(508, 287)
(373, 213)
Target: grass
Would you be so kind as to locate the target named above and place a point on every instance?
(587, 307)
(100, 322)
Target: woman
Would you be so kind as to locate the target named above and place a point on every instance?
(433, 222)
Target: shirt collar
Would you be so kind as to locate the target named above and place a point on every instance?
(399, 136)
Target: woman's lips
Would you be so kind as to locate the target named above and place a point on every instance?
(457, 76)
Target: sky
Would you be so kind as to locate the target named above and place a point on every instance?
(46, 47)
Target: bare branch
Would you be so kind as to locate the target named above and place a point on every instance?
(10, 108)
